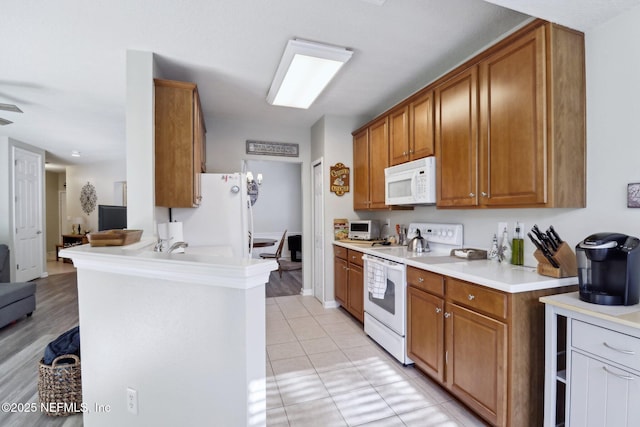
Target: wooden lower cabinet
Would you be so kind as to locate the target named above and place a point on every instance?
(348, 281)
(355, 302)
(485, 346)
(425, 332)
(340, 279)
(476, 353)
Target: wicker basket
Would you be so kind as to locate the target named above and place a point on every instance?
(60, 386)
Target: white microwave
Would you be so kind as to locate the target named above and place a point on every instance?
(411, 183)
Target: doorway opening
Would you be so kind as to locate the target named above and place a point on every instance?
(278, 207)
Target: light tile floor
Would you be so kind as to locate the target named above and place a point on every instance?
(322, 370)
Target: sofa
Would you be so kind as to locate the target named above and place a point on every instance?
(16, 299)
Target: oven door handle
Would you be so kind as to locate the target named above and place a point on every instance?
(386, 263)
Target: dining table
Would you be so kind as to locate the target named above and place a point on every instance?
(262, 242)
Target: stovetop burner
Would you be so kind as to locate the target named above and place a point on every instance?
(441, 237)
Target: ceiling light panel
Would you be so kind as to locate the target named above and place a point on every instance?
(305, 70)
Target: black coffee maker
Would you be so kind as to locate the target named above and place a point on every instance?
(609, 269)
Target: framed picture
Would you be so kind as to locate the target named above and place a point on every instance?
(633, 195)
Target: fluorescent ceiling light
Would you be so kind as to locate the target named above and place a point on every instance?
(305, 69)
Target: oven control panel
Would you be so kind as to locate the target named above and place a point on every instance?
(445, 234)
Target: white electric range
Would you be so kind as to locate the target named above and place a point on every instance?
(385, 317)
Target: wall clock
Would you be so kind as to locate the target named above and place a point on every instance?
(88, 198)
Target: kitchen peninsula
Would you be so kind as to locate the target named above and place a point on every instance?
(185, 332)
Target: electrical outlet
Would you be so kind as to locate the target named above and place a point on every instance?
(501, 227)
(388, 220)
(132, 401)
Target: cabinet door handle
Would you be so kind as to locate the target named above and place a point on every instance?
(420, 279)
(619, 350)
(404, 153)
(624, 377)
(471, 297)
(484, 194)
(438, 310)
(447, 315)
(472, 195)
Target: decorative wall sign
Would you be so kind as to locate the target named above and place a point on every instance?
(88, 198)
(339, 179)
(633, 195)
(266, 148)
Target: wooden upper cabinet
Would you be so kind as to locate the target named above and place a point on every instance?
(456, 139)
(179, 144)
(370, 158)
(378, 161)
(399, 135)
(361, 170)
(527, 144)
(513, 161)
(508, 126)
(411, 130)
(421, 130)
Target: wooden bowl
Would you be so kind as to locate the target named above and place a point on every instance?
(114, 237)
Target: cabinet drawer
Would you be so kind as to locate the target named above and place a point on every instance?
(477, 297)
(354, 257)
(340, 252)
(611, 345)
(425, 280)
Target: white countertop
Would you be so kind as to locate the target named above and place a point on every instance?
(139, 259)
(501, 276)
(628, 315)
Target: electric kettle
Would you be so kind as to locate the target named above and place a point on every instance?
(418, 243)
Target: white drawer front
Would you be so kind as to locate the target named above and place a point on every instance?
(614, 346)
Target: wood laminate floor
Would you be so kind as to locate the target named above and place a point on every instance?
(289, 284)
(22, 346)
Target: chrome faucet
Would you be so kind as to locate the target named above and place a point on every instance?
(177, 245)
(161, 244)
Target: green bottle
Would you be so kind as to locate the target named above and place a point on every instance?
(517, 246)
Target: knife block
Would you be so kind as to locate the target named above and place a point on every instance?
(566, 259)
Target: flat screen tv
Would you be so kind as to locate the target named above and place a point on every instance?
(112, 217)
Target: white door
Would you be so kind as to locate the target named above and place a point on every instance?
(27, 215)
(318, 233)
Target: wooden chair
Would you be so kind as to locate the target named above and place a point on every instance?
(278, 253)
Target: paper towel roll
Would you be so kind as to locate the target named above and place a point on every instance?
(163, 230)
(175, 235)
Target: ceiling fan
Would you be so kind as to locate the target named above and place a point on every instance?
(8, 107)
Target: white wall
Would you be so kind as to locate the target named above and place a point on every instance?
(279, 203)
(613, 151)
(140, 157)
(102, 176)
(333, 143)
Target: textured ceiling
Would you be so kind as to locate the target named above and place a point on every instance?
(63, 62)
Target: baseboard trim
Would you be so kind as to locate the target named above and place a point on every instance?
(331, 304)
(306, 292)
